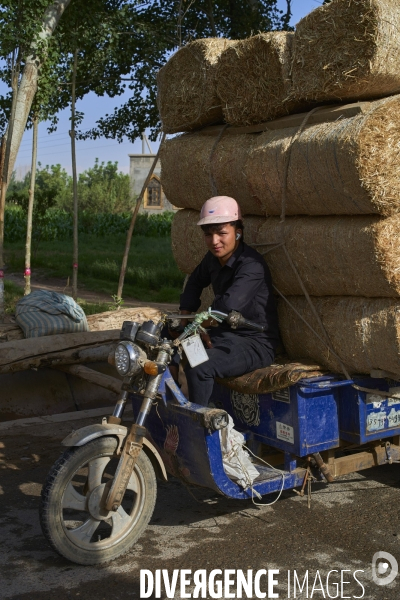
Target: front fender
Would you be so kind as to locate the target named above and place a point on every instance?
(82, 436)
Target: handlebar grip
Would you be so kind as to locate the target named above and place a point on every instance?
(235, 319)
(251, 325)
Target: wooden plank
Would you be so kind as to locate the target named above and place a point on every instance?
(67, 348)
(61, 417)
(10, 331)
(106, 381)
(363, 460)
(323, 115)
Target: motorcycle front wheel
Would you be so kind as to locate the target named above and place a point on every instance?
(70, 514)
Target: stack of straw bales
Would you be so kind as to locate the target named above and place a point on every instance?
(345, 50)
(334, 175)
(343, 182)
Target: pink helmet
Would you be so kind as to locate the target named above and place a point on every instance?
(219, 209)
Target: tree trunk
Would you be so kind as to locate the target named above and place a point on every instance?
(210, 16)
(28, 245)
(2, 209)
(133, 221)
(4, 163)
(74, 184)
(288, 15)
(29, 80)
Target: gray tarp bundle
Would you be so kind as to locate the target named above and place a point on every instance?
(48, 313)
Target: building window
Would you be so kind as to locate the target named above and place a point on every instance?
(154, 194)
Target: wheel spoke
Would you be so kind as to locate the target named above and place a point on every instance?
(96, 470)
(85, 532)
(73, 499)
(120, 521)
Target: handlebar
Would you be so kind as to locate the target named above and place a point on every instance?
(234, 319)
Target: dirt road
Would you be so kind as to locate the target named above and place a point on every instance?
(349, 521)
(63, 287)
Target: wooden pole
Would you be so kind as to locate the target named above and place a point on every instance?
(133, 221)
(2, 211)
(74, 184)
(28, 244)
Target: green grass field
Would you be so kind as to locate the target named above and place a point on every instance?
(12, 293)
(152, 274)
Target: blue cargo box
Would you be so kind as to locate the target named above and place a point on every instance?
(301, 419)
(364, 416)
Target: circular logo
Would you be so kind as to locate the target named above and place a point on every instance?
(384, 568)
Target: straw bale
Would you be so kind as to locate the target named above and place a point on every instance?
(186, 84)
(348, 49)
(187, 238)
(114, 319)
(334, 256)
(186, 170)
(207, 298)
(364, 332)
(253, 79)
(349, 166)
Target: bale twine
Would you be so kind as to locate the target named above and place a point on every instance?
(348, 49)
(334, 256)
(349, 166)
(187, 238)
(190, 162)
(186, 85)
(253, 79)
(364, 332)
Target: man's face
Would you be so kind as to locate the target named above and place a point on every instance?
(222, 241)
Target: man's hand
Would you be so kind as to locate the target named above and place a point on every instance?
(174, 333)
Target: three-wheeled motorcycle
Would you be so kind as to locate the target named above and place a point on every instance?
(299, 424)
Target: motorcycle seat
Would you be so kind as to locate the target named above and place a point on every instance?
(281, 374)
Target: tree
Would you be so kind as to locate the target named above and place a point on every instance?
(156, 29)
(38, 33)
(103, 189)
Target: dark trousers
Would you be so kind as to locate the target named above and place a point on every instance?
(232, 355)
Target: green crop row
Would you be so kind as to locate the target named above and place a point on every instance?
(57, 224)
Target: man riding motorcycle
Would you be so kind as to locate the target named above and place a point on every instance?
(241, 281)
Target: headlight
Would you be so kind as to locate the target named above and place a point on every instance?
(127, 357)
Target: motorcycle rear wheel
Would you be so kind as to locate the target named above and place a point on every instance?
(70, 515)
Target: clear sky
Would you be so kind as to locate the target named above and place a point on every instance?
(55, 148)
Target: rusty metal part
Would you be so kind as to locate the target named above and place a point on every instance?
(130, 452)
(323, 467)
(306, 478)
(214, 418)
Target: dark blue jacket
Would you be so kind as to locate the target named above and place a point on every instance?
(243, 284)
